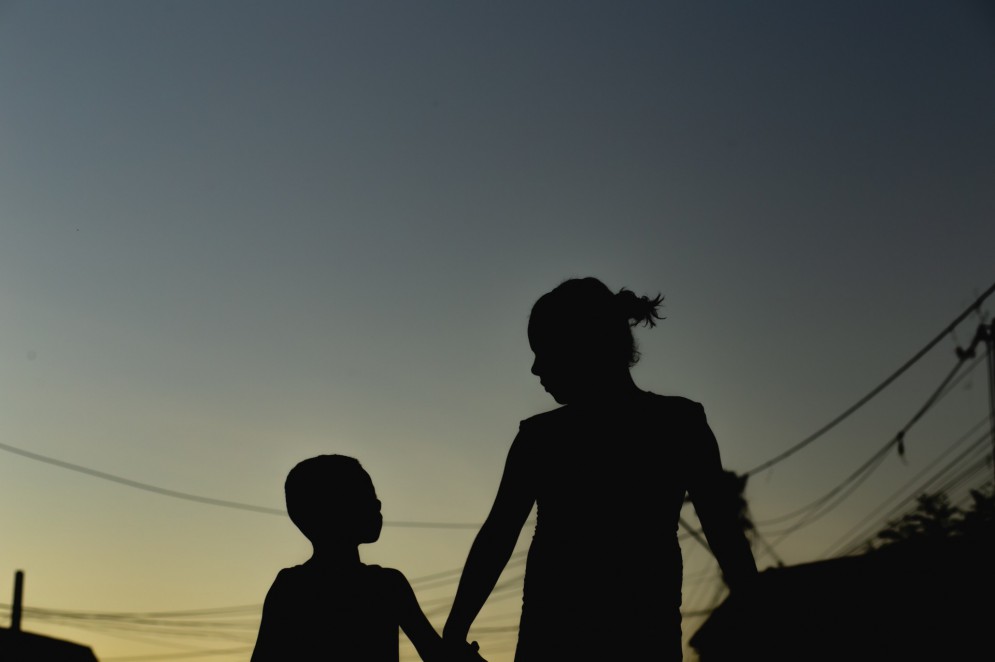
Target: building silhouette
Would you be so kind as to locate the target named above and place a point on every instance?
(916, 600)
(16, 645)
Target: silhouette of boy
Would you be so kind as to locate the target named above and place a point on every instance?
(333, 606)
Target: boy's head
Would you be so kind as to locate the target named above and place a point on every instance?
(331, 499)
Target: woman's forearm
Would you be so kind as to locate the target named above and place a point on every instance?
(488, 556)
(495, 541)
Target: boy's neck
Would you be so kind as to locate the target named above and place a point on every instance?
(336, 555)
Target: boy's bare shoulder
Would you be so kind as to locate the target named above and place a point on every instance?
(385, 572)
(389, 578)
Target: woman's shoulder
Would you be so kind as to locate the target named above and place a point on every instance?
(678, 404)
(672, 405)
(551, 419)
(679, 412)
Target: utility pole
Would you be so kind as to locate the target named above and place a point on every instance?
(989, 338)
(15, 612)
(986, 334)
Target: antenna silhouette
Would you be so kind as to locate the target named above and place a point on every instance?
(15, 612)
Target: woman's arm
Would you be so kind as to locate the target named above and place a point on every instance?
(495, 541)
(715, 502)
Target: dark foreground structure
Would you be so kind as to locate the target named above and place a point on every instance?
(20, 646)
(920, 600)
(16, 645)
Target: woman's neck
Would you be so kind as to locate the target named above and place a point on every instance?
(612, 386)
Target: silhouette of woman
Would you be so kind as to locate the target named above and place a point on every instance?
(609, 471)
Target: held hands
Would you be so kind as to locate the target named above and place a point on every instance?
(472, 653)
(461, 651)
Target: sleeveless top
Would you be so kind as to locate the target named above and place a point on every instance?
(604, 570)
(315, 613)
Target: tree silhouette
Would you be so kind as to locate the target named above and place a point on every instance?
(935, 518)
(736, 487)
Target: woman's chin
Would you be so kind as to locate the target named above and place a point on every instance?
(560, 397)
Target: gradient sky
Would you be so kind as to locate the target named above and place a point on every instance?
(237, 234)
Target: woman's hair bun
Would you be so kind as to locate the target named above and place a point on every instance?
(638, 309)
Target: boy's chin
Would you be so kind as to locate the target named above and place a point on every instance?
(371, 536)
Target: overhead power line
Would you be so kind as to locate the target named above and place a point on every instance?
(976, 305)
(867, 518)
(207, 652)
(224, 503)
(266, 510)
(865, 471)
(813, 511)
(923, 488)
(138, 484)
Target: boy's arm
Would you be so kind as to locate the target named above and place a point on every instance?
(414, 623)
(420, 630)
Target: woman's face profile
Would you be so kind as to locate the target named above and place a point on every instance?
(558, 364)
